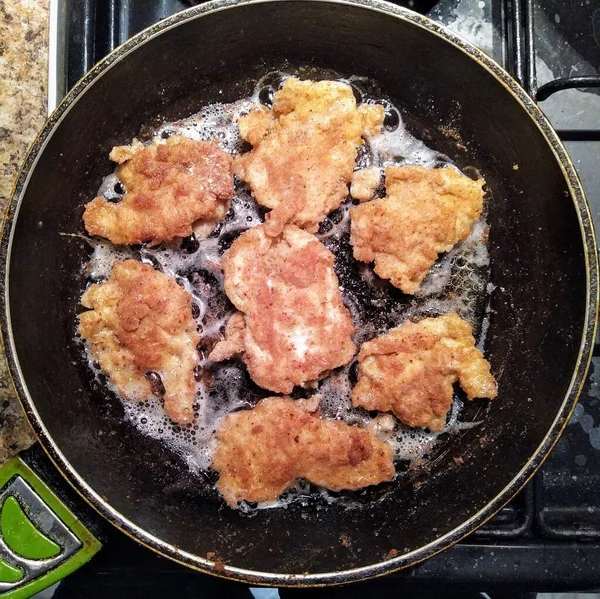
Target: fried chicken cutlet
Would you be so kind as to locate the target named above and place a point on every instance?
(292, 326)
(411, 370)
(261, 452)
(425, 213)
(304, 150)
(140, 321)
(169, 186)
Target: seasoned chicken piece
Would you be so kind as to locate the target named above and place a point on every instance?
(169, 186)
(425, 212)
(261, 452)
(293, 325)
(234, 341)
(364, 183)
(304, 150)
(411, 370)
(140, 321)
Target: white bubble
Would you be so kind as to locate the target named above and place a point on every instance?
(595, 438)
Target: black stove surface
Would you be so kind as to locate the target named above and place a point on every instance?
(548, 537)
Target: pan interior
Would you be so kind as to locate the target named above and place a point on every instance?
(454, 105)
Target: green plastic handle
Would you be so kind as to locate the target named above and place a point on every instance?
(41, 540)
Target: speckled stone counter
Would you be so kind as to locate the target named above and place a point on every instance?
(23, 80)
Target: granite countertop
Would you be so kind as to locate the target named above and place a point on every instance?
(23, 81)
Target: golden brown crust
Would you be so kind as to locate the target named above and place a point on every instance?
(364, 183)
(233, 343)
(261, 452)
(304, 150)
(425, 212)
(411, 370)
(170, 186)
(295, 325)
(140, 320)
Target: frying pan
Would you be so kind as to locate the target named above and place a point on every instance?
(543, 263)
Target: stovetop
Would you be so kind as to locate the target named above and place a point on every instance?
(548, 537)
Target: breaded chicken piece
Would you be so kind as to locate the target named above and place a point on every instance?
(425, 212)
(293, 326)
(364, 183)
(261, 452)
(304, 150)
(141, 321)
(169, 186)
(411, 370)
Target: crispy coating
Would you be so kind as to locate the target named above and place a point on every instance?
(261, 452)
(411, 370)
(304, 150)
(169, 187)
(234, 340)
(364, 183)
(140, 320)
(294, 326)
(425, 212)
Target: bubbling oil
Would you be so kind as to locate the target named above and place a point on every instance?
(459, 282)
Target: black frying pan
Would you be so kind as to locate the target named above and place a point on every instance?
(543, 258)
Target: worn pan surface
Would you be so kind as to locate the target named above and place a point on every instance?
(543, 261)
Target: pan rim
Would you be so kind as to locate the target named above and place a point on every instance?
(387, 566)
